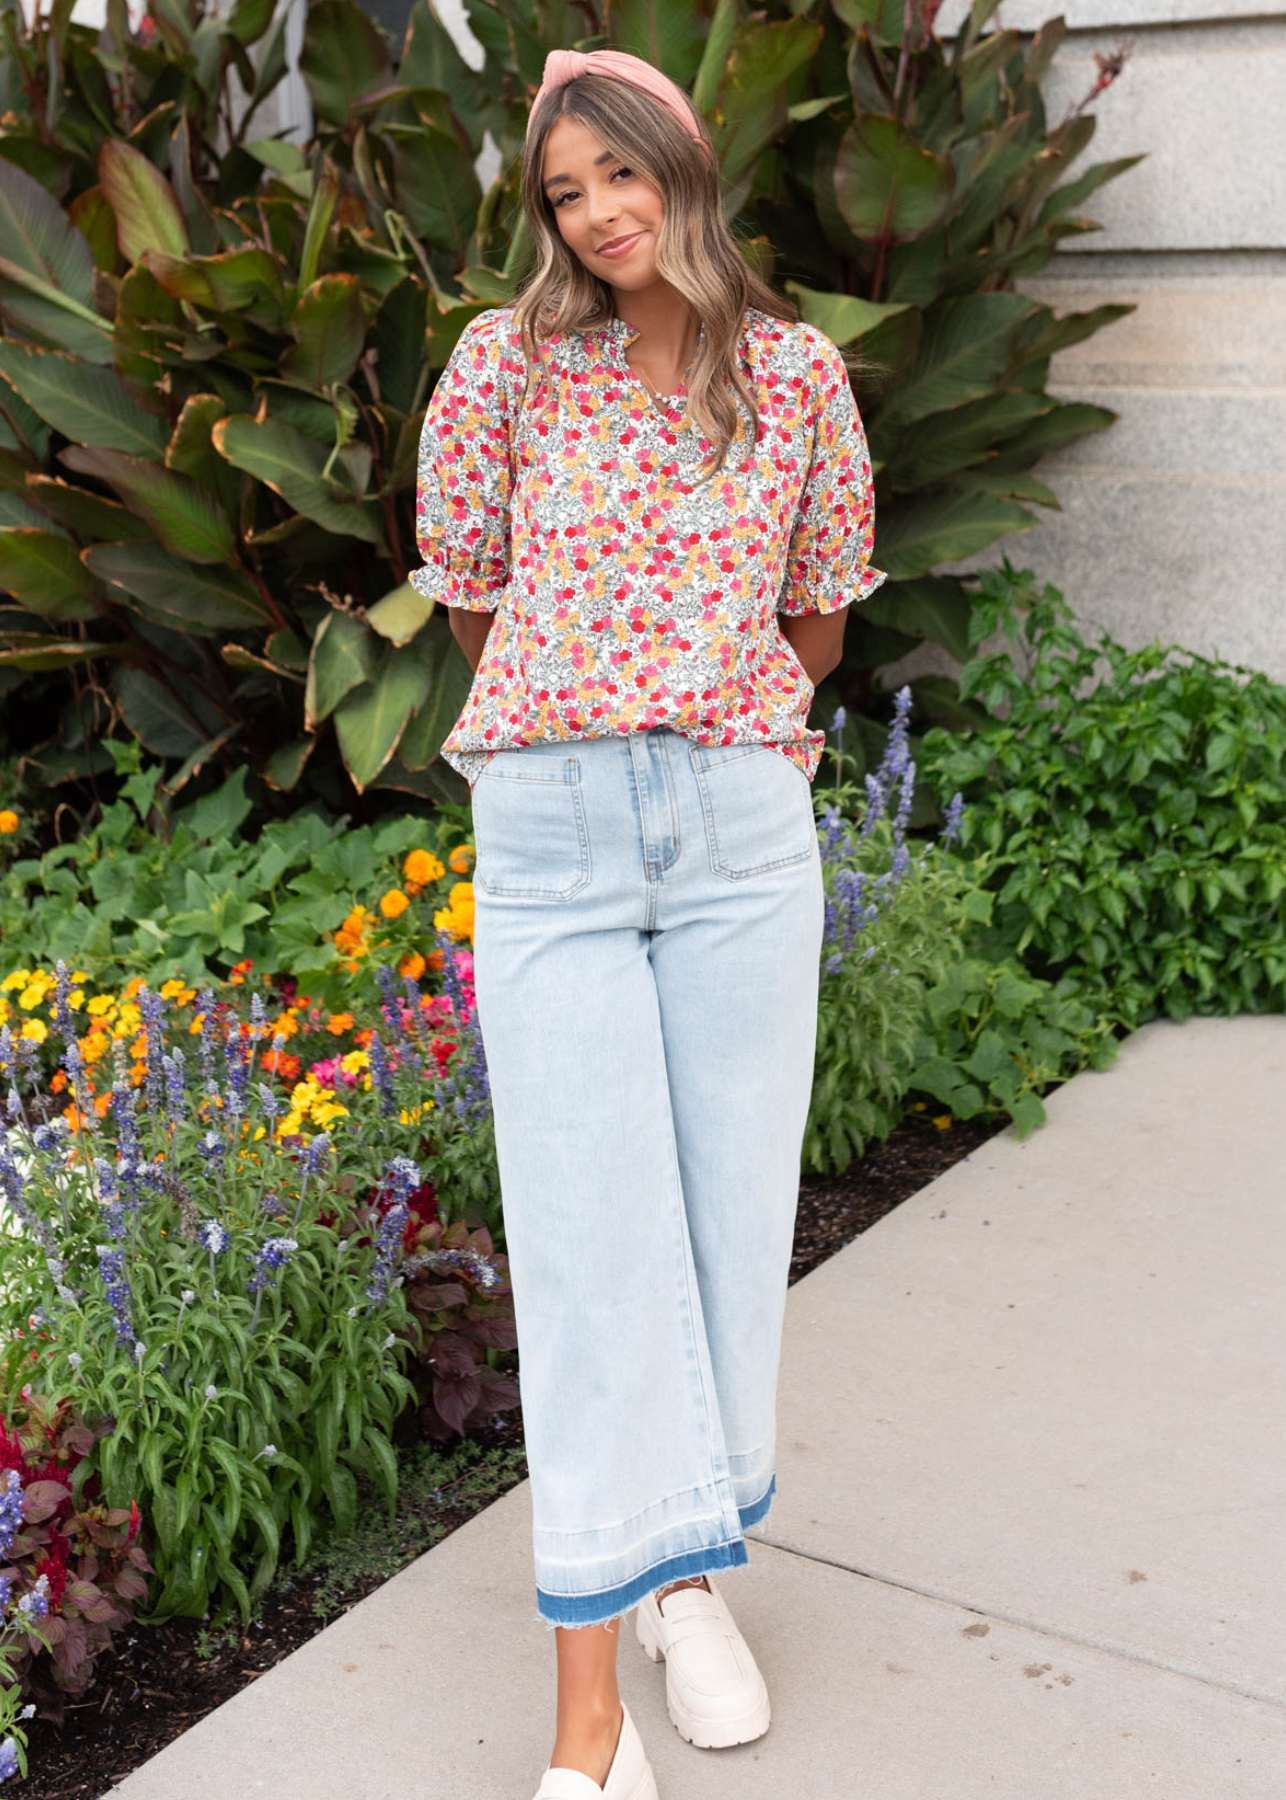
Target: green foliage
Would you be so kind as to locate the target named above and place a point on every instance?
(1127, 810)
(162, 890)
(917, 995)
(215, 362)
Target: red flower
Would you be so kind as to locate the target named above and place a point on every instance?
(135, 1520)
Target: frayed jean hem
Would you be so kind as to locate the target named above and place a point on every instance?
(606, 1604)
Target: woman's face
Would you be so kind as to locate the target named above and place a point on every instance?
(596, 198)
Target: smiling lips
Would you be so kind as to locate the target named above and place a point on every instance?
(618, 246)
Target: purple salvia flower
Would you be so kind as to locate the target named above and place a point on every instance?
(216, 1241)
(64, 1020)
(205, 1042)
(34, 1605)
(234, 1055)
(8, 1758)
(6, 1592)
(176, 1096)
(389, 1004)
(388, 1246)
(381, 1075)
(10, 1509)
(111, 1266)
(951, 827)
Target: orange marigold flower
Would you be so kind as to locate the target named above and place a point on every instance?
(58, 1081)
(436, 958)
(102, 1103)
(458, 860)
(422, 866)
(277, 1062)
(8, 821)
(339, 1023)
(394, 904)
(412, 966)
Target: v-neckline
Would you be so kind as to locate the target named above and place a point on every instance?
(620, 335)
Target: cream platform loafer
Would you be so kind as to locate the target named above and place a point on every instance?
(713, 1689)
(629, 1778)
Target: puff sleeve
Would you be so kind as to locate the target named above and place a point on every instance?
(828, 559)
(463, 473)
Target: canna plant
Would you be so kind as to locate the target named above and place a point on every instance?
(217, 347)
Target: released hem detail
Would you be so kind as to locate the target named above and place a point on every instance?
(609, 1603)
(606, 1604)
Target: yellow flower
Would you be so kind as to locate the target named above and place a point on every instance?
(943, 1121)
(394, 904)
(18, 979)
(32, 995)
(76, 999)
(422, 866)
(8, 822)
(291, 1126)
(100, 1006)
(34, 1029)
(354, 1062)
(326, 1113)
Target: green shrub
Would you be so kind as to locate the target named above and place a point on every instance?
(909, 1002)
(215, 366)
(1130, 824)
(157, 890)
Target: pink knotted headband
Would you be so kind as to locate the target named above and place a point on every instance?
(562, 66)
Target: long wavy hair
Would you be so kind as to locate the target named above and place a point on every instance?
(695, 250)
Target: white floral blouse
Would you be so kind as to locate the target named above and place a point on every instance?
(627, 594)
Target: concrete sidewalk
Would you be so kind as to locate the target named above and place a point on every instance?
(1030, 1536)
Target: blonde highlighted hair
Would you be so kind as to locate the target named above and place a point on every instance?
(696, 251)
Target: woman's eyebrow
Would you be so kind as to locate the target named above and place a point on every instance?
(607, 156)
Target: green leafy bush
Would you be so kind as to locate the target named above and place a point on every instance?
(1133, 818)
(155, 890)
(909, 1002)
(215, 364)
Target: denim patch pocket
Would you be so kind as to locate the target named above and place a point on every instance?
(758, 808)
(529, 827)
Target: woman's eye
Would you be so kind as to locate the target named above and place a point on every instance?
(570, 193)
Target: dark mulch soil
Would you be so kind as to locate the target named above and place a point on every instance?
(157, 1685)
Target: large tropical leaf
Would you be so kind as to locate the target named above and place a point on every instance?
(196, 599)
(148, 214)
(183, 516)
(370, 719)
(964, 349)
(329, 327)
(886, 183)
(343, 55)
(82, 401)
(343, 657)
(943, 529)
(47, 270)
(43, 572)
(291, 464)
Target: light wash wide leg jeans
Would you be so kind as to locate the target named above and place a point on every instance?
(647, 935)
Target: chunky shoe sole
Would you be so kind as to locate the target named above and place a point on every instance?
(706, 1734)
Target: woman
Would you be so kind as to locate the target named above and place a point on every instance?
(644, 490)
